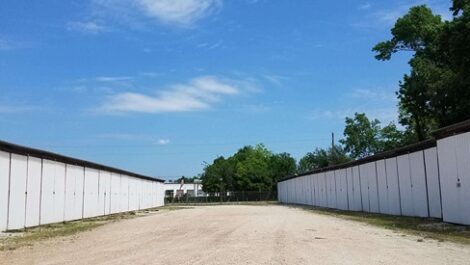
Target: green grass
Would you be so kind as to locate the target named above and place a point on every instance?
(28, 236)
(427, 228)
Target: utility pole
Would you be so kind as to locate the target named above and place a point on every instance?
(332, 140)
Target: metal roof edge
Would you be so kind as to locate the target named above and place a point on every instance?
(376, 157)
(28, 151)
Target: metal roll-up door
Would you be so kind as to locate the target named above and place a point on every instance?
(4, 186)
(70, 190)
(432, 176)
(33, 191)
(454, 167)
(91, 193)
(404, 176)
(17, 202)
(342, 189)
(364, 181)
(393, 186)
(418, 184)
(47, 192)
(382, 187)
(357, 188)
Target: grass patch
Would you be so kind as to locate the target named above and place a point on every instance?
(28, 236)
(427, 228)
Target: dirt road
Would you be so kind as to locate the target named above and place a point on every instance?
(239, 235)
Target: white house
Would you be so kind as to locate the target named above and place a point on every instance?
(180, 189)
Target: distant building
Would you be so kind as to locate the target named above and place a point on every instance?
(180, 189)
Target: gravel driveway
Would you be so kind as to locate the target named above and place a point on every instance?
(239, 235)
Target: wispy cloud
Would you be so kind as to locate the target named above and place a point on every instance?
(197, 94)
(275, 79)
(163, 141)
(365, 6)
(7, 44)
(87, 27)
(132, 137)
(113, 78)
(379, 103)
(386, 17)
(137, 13)
(183, 13)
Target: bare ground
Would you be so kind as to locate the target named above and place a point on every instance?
(239, 235)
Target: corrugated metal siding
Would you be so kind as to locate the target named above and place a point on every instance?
(431, 182)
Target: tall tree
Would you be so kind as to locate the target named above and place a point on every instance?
(436, 93)
(281, 165)
(314, 160)
(321, 158)
(361, 136)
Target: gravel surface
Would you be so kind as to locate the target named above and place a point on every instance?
(239, 235)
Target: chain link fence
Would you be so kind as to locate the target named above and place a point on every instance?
(232, 196)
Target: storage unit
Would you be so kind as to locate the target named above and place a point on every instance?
(341, 189)
(432, 177)
(4, 188)
(393, 190)
(382, 187)
(39, 187)
(90, 200)
(74, 192)
(331, 189)
(454, 172)
(419, 192)
(33, 191)
(427, 179)
(364, 181)
(47, 214)
(354, 188)
(17, 200)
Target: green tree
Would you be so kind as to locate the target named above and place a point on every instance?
(361, 136)
(322, 158)
(314, 160)
(253, 172)
(391, 138)
(281, 165)
(249, 169)
(436, 93)
(364, 137)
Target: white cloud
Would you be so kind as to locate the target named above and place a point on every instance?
(163, 141)
(136, 13)
(182, 12)
(88, 27)
(113, 78)
(199, 93)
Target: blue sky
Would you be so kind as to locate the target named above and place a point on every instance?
(160, 86)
